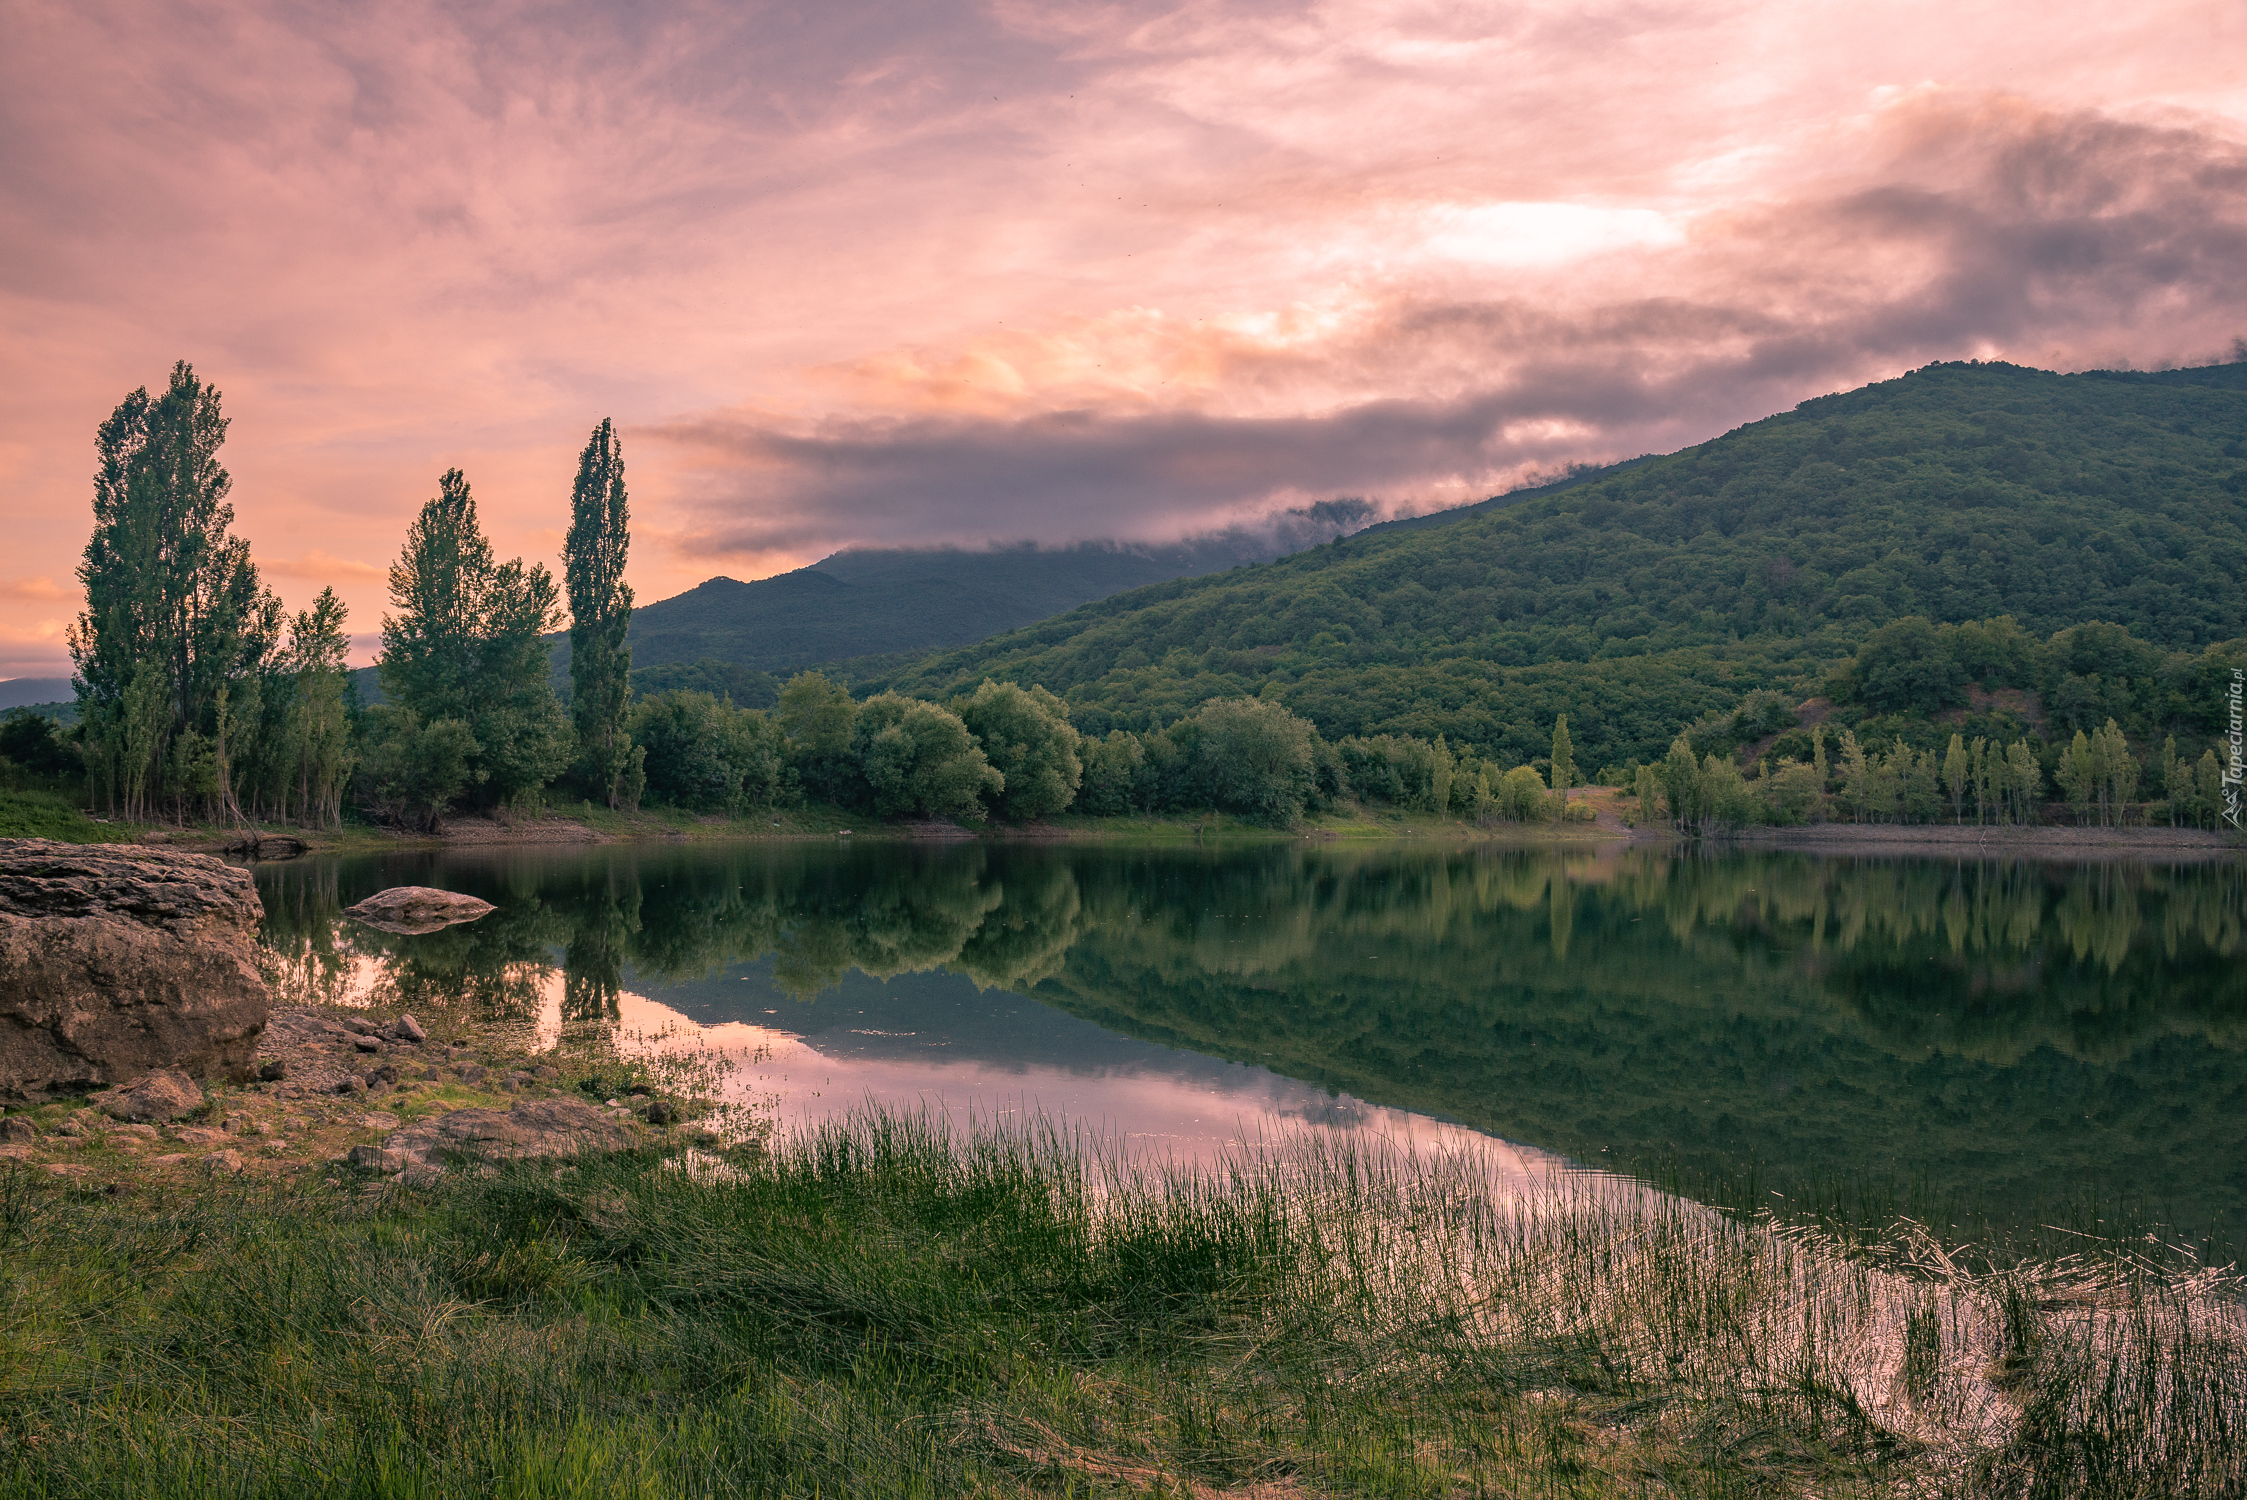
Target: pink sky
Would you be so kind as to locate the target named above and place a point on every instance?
(915, 274)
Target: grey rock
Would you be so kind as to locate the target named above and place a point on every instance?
(533, 1128)
(367, 1044)
(359, 1025)
(166, 1094)
(375, 1159)
(659, 1112)
(116, 960)
(274, 1071)
(407, 1029)
(416, 908)
(223, 1163)
(16, 1129)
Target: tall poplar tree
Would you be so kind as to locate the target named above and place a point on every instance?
(1564, 759)
(177, 628)
(600, 613)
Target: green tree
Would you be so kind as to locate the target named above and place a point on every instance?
(2169, 776)
(820, 721)
(2025, 781)
(1520, 796)
(318, 760)
(467, 644)
(2077, 774)
(1564, 758)
(413, 771)
(177, 628)
(1027, 737)
(1442, 770)
(1958, 772)
(1115, 773)
(1256, 758)
(920, 759)
(600, 614)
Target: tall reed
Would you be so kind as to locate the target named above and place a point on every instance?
(890, 1307)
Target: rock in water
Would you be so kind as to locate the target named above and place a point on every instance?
(416, 908)
(117, 960)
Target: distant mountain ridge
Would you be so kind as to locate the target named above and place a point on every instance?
(26, 692)
(1638, 597)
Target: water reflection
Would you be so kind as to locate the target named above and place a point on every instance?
(2012, 1032)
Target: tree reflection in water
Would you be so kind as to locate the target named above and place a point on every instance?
(2011, 1031)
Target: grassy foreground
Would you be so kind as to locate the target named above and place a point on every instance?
(885, 1310)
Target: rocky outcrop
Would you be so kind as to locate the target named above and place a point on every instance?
(164, 1095)
(117, 960)
(414, 909)
(534, 1128)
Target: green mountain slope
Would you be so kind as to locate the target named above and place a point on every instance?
(1642, 597)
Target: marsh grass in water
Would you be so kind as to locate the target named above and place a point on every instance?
(887, 1308)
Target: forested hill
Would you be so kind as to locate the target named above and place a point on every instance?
(1643, 597)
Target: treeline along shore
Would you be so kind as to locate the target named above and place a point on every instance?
(1309, 687)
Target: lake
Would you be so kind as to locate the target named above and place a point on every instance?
(1999, 1039)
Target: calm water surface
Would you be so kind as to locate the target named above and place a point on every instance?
(2003, 1035)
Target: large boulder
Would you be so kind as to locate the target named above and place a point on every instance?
(117, 961)
(412, 909)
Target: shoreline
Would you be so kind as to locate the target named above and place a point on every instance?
(559, 829)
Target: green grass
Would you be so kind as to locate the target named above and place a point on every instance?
(34, 814)
(886, 1310)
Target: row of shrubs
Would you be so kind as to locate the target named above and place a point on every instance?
(1011, 752)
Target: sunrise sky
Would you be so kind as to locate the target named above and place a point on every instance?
(941, 272)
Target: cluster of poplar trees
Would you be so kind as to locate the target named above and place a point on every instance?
(469, 715)
(199, 697)
(1979, 782)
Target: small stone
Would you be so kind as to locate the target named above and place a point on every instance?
(18, 1129)
(17, 1152)
(67, 1169)
(223, 1163)
(171, 1159)
(407, 1029)
(353, 1084)
(200, 1135)
(367, 1044)
(659, 1112)
(135, 1133)
(165, 1094)
(359, 1026)
(546, 1073)
(235, 1124)
(431, 1075)
(274, 1071)
(76, 1127)
(472, 1074)
(421, 1174)
(381, 1119)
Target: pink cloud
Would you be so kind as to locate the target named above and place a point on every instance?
(870, 273)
